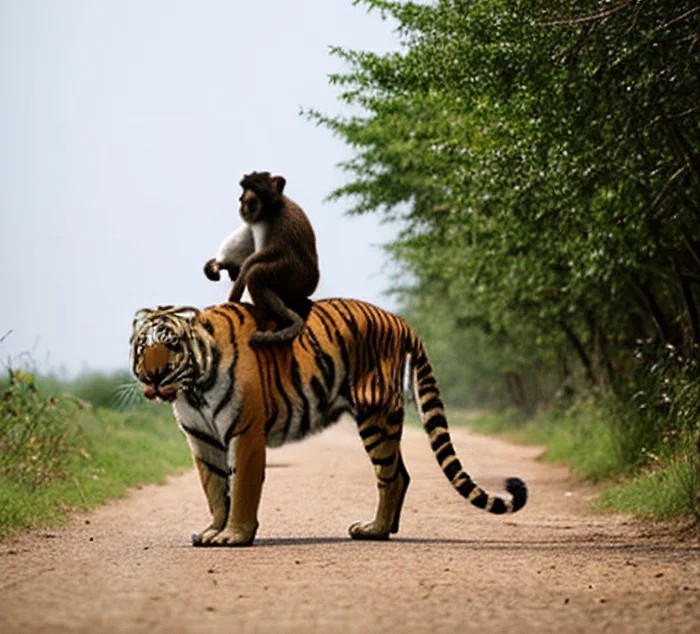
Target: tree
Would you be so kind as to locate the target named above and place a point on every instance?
(544, 161)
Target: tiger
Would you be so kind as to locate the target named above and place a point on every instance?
(232, 399)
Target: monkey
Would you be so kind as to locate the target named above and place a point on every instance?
(283, 271)
(231, 254)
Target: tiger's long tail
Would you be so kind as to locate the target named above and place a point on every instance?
(432, 413)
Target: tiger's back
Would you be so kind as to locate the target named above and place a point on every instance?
(350, 357)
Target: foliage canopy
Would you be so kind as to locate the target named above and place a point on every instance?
(543, 158)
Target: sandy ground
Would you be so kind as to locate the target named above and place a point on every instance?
(553, 567)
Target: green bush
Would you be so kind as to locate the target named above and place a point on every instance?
(58, 452)
(38, 434)
(652, 467)
(587, 437)
(668, 489)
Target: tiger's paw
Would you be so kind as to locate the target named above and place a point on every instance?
(240, 535)
(368, 530)
(205, 537)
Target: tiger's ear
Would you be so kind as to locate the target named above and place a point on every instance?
(278, 182)
(140, 317)
(190, 315)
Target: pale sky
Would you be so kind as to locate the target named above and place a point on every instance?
(125, 127)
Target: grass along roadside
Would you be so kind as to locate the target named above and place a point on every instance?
(59, 453)
(651, 480)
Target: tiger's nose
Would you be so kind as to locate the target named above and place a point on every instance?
(155, 362)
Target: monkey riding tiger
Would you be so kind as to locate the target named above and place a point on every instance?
(232, 400)
(273, 254)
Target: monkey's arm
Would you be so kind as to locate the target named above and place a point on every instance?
(232, 253)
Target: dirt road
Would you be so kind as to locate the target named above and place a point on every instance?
(553, 567)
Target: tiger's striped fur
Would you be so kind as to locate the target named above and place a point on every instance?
(231, 400)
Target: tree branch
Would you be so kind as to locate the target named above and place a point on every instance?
(587, 18)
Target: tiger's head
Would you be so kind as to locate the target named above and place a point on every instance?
(164, 350)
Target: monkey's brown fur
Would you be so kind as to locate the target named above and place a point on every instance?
(283, 271)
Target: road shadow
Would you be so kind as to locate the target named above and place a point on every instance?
(310, 541)
(558, 545)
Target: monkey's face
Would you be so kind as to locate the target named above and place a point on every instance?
(251, 206)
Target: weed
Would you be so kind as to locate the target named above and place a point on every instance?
(58, 452)
(38, 434)
(645, 440)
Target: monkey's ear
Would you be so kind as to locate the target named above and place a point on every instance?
(278, 182)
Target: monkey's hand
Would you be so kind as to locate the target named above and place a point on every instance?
(211, 270)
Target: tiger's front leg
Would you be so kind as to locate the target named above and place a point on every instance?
(246, 488)
(215, 485)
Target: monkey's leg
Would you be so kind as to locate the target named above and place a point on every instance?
(272, 303)
(246, 489)
(381, 436)
(237, 289)
(251, 265)
(215, 485)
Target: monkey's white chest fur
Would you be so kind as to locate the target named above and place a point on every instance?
(259, 234)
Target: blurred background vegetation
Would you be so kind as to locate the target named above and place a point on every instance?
(69, 445)
(542, 159)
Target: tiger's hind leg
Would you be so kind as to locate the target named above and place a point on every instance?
(381, 436)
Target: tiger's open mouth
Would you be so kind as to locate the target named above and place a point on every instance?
(163, 393)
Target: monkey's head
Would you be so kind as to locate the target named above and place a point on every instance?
(261, 195)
